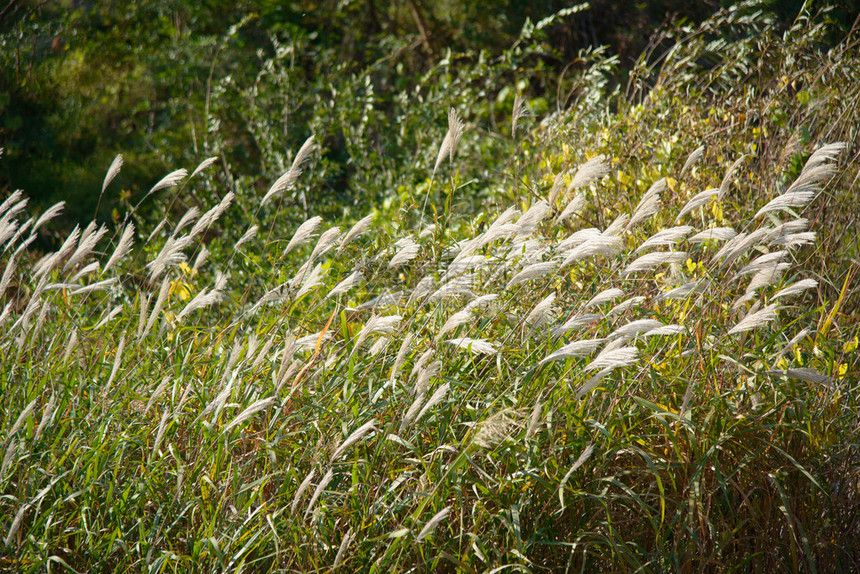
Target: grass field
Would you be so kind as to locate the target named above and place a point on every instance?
(634, 348)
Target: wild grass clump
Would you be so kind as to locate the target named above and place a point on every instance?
(615, 371)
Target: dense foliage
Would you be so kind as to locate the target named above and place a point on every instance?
(549, 320)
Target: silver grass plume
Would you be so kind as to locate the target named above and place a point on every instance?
(454, 321)
(8, 273)
(573, 350)
(408, 251)
(200, 259)
(520, 110)
(589, 172)
(159, 436)
(761, 262)
(730, 174)
(326, 242)
(793, 240)
(303, 234)
(786, 201)
(574, 322)
(203, 165)
(405, 347)
(755, 320)
(344, 546)
(583, 457)
(437, 518)
(603, 297)
(804, 374)
(86, 244)
(71, 345)
(533, 271)
(159, 390)
(452, 138)
(737, 247)
(692, 159)
(649, 261)
(765, 276)
(254, 408)
(187, 219)
(422, 361)
(634, 328)
(98, 286)
(665, 238)
(17, 199)
(356, 436)
(378, 346)
(626, 305)
(576, 204)
(613, 359)
(804, 333)
(116, 364)
(47, 263)
(458, 286)
(529, 220)
(607, 246)
(19, 422)
(685, 290)
(289, 178)
(16, 525)
(796, 288)
(437, 397)
(205, 298)
(208, 218)
(246, 237)
(542, 313)
(356, 231)
(8, 230)
(144, 307)
(649, 204)
(666, 330)
(534, 419)
(579, 237)
(156, 309)
(355, 278)
(323, 483)
(169, 180)
(377, 325)
(17, 235)
(301, 490)
(11, 450)
(425, 375)
(263, 353)
(113, 171)
(313, 280)
(617, 226)
(699, 200)
(309, 342)
(497, 428)
(126, 240)
(478, 346)
(557, 186)
(46, 416)
(713, 234)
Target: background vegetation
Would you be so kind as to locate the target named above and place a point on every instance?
(185, 386)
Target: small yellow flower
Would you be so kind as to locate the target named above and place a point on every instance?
(691, 267)
(850, 345)
(181, 289)
(841, 370)
(717, 211)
